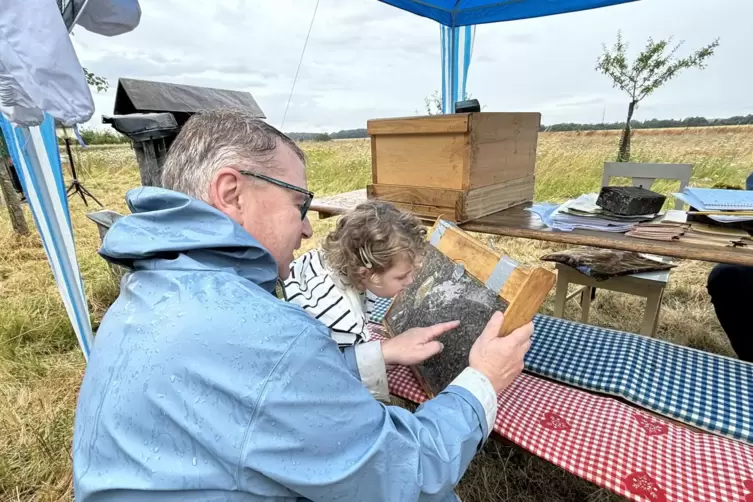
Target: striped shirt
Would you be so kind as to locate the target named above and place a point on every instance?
(322, 295)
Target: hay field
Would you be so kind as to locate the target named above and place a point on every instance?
(41, 367)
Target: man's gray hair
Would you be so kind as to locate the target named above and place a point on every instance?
(214, 139)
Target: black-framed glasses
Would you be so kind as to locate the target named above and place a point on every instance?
(309, 196)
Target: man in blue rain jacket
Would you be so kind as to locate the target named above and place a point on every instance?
(203, 386)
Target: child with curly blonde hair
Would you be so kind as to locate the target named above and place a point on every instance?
(372, 252)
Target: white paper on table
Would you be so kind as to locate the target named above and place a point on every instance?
(675, 216)
(569, 222)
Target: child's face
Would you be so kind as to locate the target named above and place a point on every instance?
(393, 281)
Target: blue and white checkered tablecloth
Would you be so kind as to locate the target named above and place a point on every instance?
(380, 309)
(708, 391)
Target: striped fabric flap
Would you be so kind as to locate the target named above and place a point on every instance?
(457, 45)
(36, 157)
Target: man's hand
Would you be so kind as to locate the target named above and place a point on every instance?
(500, 358)
(415, 345)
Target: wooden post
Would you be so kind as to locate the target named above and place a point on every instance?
(150, 155)
(17, 218)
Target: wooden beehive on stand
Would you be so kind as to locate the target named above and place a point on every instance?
(461, 166)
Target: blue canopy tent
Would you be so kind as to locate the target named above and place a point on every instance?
(458, 17)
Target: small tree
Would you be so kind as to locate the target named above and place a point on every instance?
(433, 103)
(99, 83)
(651, 69)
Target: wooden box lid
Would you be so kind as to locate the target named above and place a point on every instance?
(429, 124)
(456, 123)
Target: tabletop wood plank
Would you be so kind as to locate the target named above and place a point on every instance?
(517, 222)
(337, 204)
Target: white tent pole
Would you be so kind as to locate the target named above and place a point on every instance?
(453, 69)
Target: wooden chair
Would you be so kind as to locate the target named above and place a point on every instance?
(650, 285)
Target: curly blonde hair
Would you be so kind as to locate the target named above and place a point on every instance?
(375, 233)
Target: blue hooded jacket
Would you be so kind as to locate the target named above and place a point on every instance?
(203, 386)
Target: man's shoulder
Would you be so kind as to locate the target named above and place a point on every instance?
(282, 314)
(262, 311)
(226, 308)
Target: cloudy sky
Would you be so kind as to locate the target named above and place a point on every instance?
(366, 59)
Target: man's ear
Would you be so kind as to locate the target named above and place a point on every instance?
(225, 193)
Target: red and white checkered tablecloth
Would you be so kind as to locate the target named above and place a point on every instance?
(612, 444)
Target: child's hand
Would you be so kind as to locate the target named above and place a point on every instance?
(415, 345)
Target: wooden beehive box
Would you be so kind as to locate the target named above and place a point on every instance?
(460, 167)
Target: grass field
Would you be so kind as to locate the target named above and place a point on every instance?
(41, 367)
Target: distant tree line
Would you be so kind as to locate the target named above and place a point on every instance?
(654, 124)
(318, 136)
(98, 137)
(106, 137)
(616, 126)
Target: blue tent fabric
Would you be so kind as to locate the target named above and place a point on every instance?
(458, 19)
(455, 13)
(457, 47)
(36, 158)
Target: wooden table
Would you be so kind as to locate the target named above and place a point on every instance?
(517, 222)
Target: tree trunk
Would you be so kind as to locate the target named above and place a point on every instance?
(17, 218)
(624, 154)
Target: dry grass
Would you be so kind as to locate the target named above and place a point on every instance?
(40, 365)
